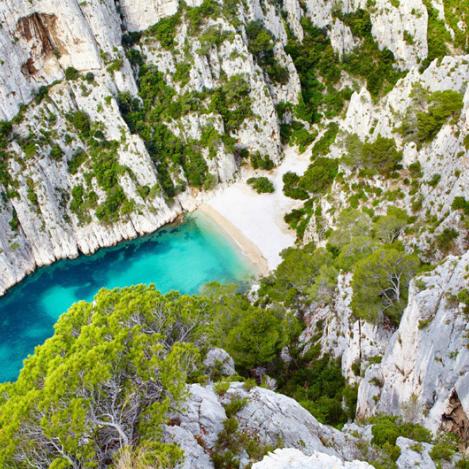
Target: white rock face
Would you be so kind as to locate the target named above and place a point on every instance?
(267, 416)
(410, 457)
(425, 371)
(390, 26)
(343, 336)
(218, 359)
(290, 458)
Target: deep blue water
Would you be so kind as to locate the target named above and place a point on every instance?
(182, 258)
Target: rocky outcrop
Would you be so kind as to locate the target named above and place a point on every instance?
(425, 370)
(269, 418)
(290, 458)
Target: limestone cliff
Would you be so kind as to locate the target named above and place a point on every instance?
(107, 43)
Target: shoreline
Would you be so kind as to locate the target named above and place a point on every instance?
(254, 222)
(246, 246)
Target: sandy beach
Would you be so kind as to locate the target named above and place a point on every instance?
(255, 221)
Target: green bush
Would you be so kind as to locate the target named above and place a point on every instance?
(319, 175)
(445, 240)
(386, 430)
(261, 45)
(296, 134)
(321, 147)
(437, 35)
(380, 284)
(291, 186)
(261, 184)
(381, 155)
(81, 121)
(165, 30)
(369, 61)
(442, 106)
(460, 203)
(71, 73)
(259, 161)
(316, 63)
(444, 448)
(98, 363)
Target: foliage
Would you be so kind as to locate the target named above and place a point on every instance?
(460, 203)
(445, 239)
(444, 448)
(316, 63)
(295, 133)
(351, 223)
(165, 30)
(437, 35)
(259, 161)
(261, 45)
(368, 61)
(295, 275)
(253, 336)
(71, 73)
(321, 147)
(386, 430)
(389, 227)
(442, 105)
(261, 184)
(422, 126)
(380, 155)
(232, 102)
(104, 381)
(319, 175)
(380, 284)
(291, 186)
(319, 386)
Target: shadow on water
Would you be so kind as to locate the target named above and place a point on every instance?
(182, 258)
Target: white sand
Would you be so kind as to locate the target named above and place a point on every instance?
(259, 217)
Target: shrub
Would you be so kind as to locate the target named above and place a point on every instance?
(291, 186)
(165, 30)
(369, 61)
(460, 203)
(386, 430)
(445, 239)
(56, 152)
(321, 147)
(319, 175)
(380, 284)
(316, 63)
(259, 161)
(221, 387)
(261, 45)
(261, 184)
(444, 448)
(235, 405)
(295, 133)
(442, 106)
(437, 35)
(81, 121)
(71, 73)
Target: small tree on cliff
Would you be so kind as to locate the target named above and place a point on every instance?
(380, 284)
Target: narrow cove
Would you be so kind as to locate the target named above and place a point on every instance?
(182, 257)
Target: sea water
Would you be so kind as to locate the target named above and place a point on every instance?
(182, 257)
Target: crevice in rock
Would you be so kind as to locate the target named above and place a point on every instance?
(455, 420)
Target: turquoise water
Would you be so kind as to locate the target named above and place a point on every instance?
(182, 258)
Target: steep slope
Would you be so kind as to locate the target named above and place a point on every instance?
(224, 76)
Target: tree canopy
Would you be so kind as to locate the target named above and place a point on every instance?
(104, 382)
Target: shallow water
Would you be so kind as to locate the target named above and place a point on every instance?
(182, 258)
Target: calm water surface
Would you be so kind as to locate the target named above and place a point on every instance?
(182, 258)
